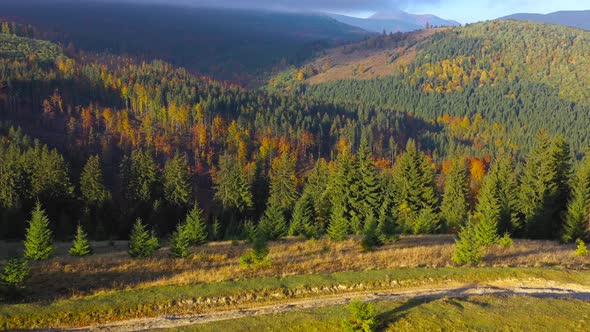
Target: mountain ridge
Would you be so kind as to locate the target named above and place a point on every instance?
(576, 19)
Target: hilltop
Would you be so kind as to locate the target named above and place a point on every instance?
(575, 19)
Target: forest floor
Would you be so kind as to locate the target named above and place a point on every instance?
(503, 288)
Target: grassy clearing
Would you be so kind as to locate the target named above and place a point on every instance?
(477, 313)
(180, 299)
(111, 269)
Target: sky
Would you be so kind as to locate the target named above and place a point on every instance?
(464, 11)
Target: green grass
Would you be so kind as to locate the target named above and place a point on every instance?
(477, 313)
(163, 300)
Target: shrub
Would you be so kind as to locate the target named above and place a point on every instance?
(259, 252)
(505, 241)
(80, 246)
(14, 273)
(142, 243)
(362, 318)
(581, 249)
(39, 239)
(468, 250)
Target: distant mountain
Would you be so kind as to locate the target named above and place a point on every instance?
(575, 19)
(394, 21)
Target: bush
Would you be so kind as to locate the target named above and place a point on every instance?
(505, 241)
(259, 252)
(142, 243)
(581, 250)
(80, 246)
(362, 318)
(14, 273)
(39, 238)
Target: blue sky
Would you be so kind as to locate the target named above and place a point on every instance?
(464, 11)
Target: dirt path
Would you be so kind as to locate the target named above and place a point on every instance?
(541, 289)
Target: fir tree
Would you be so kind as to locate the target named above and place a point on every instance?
(302, 218)
(39, 238)
(92, 185)
(283, 183)
(272, 224)
(338, 228)
(177, 181)
(140, 174)
(80, 246)
(370, 237)
(414, 185)
(365, 189)
(489, 209)
(231, 187)
(577, 217)
(455, 204)
(14, 273)
(467, 249)
(142, 243)
(180, 242)
(196, 227)
(316, 189)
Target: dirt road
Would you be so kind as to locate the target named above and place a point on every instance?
(541, 289)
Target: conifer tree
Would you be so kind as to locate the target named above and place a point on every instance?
(455, 203)
(273, 224)
(92, 185)
(577, 217)
(316, 188)
(196, 228)
(180, 242)
(177, 181)
(140, 176)
(142, 243)
(365, 188)
(302, 218)
(370, 237)
(489, 209)
(283, 183)
(230, 184)
(338, 228)
(467, 249)
(39, 238)
(416, 198)
(506, 174)
(339, 189)
(80, 246)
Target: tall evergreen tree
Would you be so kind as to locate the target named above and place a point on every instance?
(338, 229)
(196, 228)
(303, 217)
(339, 189)
(142, 243)
(92, 185)
(230, 184)
(140, 176)
(316, 188)
(273, 224)
(177, 181)
(39, 238)
(365, 188)
(577, 217)
(455, 203)
(283, 183)
(468, 250)
(416, 198)
(80, 246)
(180, 241)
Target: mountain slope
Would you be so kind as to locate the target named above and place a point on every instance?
(524, 76)
(394, 21)
(228, 44)
(575, 19)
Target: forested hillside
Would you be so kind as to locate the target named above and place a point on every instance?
(522, 76)
(103, 140)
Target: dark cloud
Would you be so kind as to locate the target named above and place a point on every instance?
(303, 5)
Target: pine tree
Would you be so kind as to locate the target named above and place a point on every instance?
(414, 185)
(577, 217)
(467, 249)
(272, 224)
(80, 246)
(180, 242)
(177, 181)
(302, 218)
(455, 204)
(92, 185)
(231, 187)
(283, 183)
(196, 226)
(39, 238)
(142, 243)
(365, 188)
(338, 228)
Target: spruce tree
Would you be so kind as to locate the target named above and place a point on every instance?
(365, 189)
(80, 246)
(338, 228)
(339, 190)
(370, 237)
(283, 183)
(177, 181)
(180, 242)
(489, 209)
(455, 203)
(506, 174)
(414, 185)
(302, 218)
(273, 224)
(468, 250)
(92, 185)
(142, 243)
(577, 217)
(316, 189)
(231, 186)
(196, 227)
(140, 176)
(39, 238)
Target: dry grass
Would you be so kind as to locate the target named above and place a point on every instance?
(64, 277)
